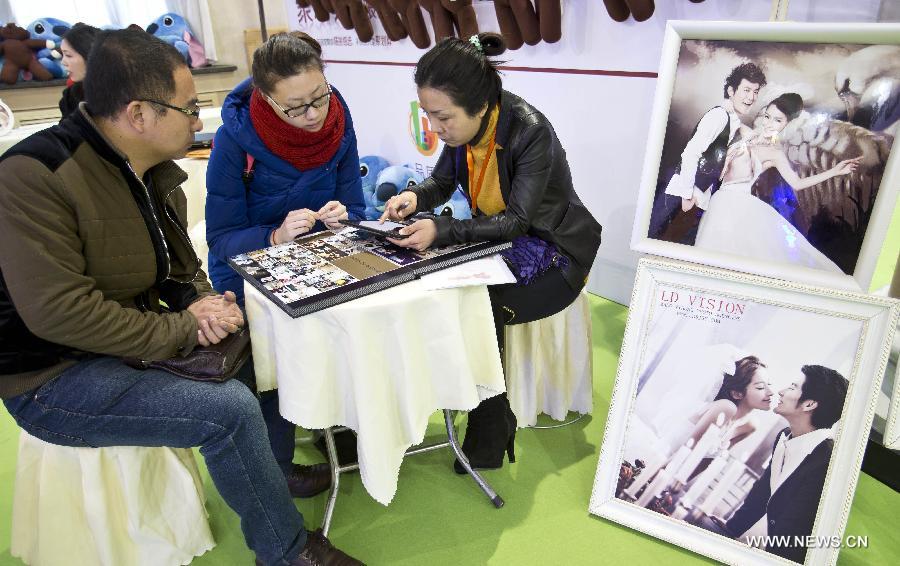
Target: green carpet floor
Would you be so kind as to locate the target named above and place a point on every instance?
(440, 518)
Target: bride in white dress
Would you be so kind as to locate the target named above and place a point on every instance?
(736, 222)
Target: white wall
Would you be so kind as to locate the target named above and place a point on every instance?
(601, 119)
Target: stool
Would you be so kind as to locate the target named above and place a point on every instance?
(115, 506)
(549, 366)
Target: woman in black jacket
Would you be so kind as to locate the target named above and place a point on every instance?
(504, 156)
(75, 47)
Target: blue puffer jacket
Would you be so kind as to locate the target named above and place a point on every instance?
(239, 218)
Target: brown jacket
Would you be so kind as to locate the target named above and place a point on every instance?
(85, 258)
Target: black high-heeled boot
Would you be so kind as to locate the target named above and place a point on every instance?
(491, 431)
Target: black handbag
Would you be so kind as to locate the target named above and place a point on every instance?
(216, 362)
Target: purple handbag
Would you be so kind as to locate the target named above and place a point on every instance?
(530, 256)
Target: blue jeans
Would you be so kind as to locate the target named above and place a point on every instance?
(103, 402)
(281, 431)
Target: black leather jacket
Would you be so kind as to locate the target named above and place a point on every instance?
(536, 186)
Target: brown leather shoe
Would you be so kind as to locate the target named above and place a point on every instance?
(306, 481)
(319, 552)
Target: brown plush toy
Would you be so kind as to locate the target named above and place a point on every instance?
(412, 19)
(520, 22)
(321, 8)
(641, 10)
(390, 19)
(550, 15)
(354, 15)
(617, 10)
(441, 21)
(451, 17)
(463, 15)
(17, 48)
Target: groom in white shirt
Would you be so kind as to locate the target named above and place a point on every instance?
(783, 502)
(697, 175)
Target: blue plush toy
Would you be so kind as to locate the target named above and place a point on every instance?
(370, 166)
(458, 207)
(53, 30)
(391, 181)
(174, 30)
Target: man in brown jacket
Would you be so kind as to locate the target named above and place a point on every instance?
(92, 238)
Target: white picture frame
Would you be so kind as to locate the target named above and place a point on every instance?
(853, 334)
(891, 436)
(680, 105)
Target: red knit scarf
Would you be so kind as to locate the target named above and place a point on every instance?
(304, 150)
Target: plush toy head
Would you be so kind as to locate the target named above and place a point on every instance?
(458, 207)
(370, 166)
(12, 31)
(50, 29)
(391, 181)
(174, 30)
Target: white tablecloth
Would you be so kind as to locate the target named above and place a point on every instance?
(380, 365)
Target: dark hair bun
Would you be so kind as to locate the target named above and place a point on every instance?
(492, 43)
(790, 104)
(305, 37)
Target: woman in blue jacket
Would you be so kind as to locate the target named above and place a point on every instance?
(284, 163)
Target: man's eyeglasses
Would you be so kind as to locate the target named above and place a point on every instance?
(192, 112)
(301, 110)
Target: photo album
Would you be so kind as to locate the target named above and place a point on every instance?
(324, 269)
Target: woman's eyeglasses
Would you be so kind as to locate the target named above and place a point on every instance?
(193, 112)
(301, 110)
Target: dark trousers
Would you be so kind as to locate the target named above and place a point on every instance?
(672, 224)
(281, 431)
(492, 424)
(546, 295)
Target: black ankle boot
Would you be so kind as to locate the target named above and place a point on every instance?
(491, 431)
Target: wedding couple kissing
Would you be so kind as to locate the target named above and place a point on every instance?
(784, 500)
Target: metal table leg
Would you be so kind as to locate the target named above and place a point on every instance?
(566, 423)
(452, 442)
(336, 470)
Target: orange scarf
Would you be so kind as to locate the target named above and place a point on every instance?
(484, 176)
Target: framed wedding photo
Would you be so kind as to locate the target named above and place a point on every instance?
(740, 413)
(771, 149)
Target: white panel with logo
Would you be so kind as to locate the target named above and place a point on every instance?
(595, 85)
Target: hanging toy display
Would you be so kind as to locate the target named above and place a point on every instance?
(521, 23)
(640, 10)
(353, 14)
(451, 18)
(389, 18)
(411, 16)
(321, 8)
